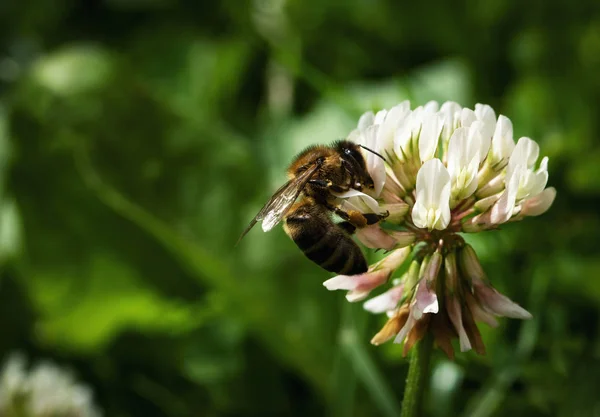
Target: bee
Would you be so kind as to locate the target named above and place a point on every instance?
(316, 174)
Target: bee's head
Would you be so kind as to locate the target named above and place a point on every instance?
(354, 160)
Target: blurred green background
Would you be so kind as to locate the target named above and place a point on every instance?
(138, 138)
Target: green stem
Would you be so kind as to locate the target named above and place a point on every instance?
(416, 381)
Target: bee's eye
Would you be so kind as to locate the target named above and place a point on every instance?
(347, 151)
(320, 160)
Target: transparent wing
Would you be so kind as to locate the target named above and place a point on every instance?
(278, 205)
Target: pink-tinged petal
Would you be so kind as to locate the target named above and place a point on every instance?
(487, 202)
(425, 301)
(479, 314)
(403, 239)
(496, 303)
(393, 260)
(374, 237)
(396, 211)
(478, 223)
(361, 282)
(433, 269)
(469, 264)
(455, 314)
(539, 204)
(385, 302)
(492, 186)
(354, 296)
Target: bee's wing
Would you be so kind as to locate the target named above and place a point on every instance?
(280, 203)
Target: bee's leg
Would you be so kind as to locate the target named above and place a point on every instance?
(358, 219)
(373, 218)
(329, 185)
(348, 227)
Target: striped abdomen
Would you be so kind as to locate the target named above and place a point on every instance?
(322, 241)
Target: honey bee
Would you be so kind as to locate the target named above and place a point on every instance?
(317, 173)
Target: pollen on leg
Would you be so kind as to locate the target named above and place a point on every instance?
(356, 218)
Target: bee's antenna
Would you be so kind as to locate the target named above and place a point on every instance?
(372, 151)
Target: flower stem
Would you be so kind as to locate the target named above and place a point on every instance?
(416, 381)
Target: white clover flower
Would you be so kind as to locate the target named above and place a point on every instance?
(46, 390)
(448, 170)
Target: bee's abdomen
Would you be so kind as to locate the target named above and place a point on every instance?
(324, 243)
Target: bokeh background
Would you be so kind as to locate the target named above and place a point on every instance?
(138, 138)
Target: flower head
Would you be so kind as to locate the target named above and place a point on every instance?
(448, 170)
(45, 390)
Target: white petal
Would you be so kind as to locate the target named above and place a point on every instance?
(420, 214)
(486, 114)
(431, 106)
(375, 165)
(444, 219)
(467, 116)
(387, 130)
(539, 204)
(432, 178)
(432, 206)
(502, 141)
(341, 282)
(429, 137)
(403, 135)
(539, 181)
(366, 120)
(450, 112)
(502, 211)
(360, 200)
(457, 150)
(380, 117)
(463, 162)
(478, 134)
(525, 153)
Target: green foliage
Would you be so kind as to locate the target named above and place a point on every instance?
(138, 138)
